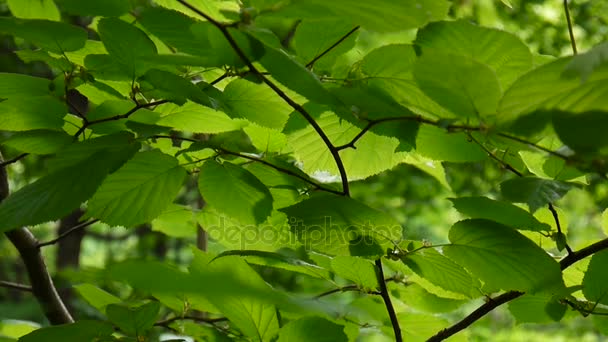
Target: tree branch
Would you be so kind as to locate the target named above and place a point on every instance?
(283, 170)
(14, 160)
(495, 302)
(387, 301)
(15, 286)
(310, 64)
(43, 287)
(66, 233)
(168, 321)
(297, 107)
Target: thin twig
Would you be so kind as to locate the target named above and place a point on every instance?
(537, 146)
(519, 174)
(14, 160)
(559, 226)
(494, 157)
(66, 233)
(570, 31)
(283, 170)
(168, 321)
(334, 152)
(15, 286)
(495, 302)
(310, 64)
(118, 117)
(346, 288)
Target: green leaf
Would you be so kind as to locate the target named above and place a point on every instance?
(595, 282)
(139, 191)
(234, 191)
(503, 52)
(107, 8)
(583, 65)
(502, 257)
(176, 221)
(18, 85)
(358, 270)
(38, 141)
(53, 36)
(384, 74)
(195, 118)
(419, 327)
(328, 223)
(23, 114)
(373, 155)
(300, 330)
(254, 316)
(84, 330)
(605, 221)
(256, 103)
(537, 308)
(176, 87)
(438, 144)
(126, 44)
(60, 192)
(34, 9)
(381, 15)
(173, 28)
(11, 330)
(134, 321)
(95, 296)
(220, 52)
(499, 211)
(77, 153)
(279, 261)
(536, 192)
(418, 298)
(582, 132)
(441, 271)
(545, 89)
(462, 85)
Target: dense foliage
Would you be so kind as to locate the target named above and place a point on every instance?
(282, 145)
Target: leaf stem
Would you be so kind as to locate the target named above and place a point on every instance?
(66, 233)
(570, 30)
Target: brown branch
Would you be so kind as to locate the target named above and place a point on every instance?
(347, 288)
(495, 302)
(14, 160)
(387, 301)
(118, 117)
(283, 170)
(43, 287)
(168, 321)
(15, 286)
(310, 64)
(297, 107)
(66, 233)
